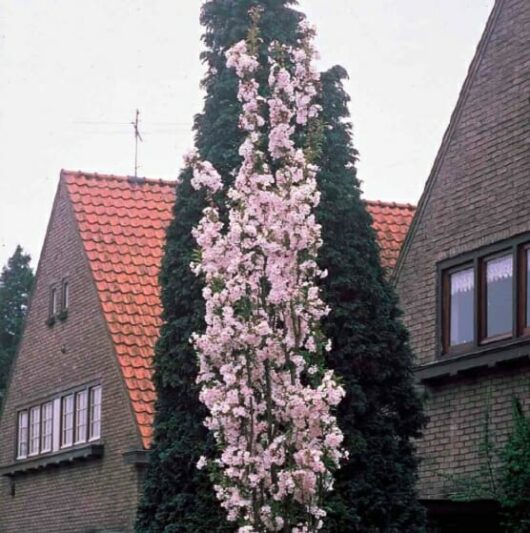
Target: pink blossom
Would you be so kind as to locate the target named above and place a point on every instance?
(264, 308)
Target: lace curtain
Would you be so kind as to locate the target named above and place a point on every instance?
(463, 281)
(500, 268)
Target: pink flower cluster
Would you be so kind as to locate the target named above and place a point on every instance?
(261, 357)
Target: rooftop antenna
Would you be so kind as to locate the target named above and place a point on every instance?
(137, 137)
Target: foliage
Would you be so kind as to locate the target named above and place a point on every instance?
(503, 474)
(515, 474)
(484, 483)
(261, 356)
(16, 281)
(382, 412)
(177, 496)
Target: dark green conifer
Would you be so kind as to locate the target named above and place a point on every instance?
(178, 497)
(381, 414)
(16, 281)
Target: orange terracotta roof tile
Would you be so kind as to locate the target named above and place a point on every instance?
(391, 222)
(122, 223)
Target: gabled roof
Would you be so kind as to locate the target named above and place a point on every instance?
(450, 131)
(122, 223)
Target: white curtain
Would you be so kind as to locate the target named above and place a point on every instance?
(500, 268)
(462, 281)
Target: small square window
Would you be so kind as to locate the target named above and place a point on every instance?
(65, 296)
(54, 302)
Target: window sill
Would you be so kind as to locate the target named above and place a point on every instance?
(71, 455)
(514, 351)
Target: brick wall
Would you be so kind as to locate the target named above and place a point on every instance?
(99, 494)
(480, 194)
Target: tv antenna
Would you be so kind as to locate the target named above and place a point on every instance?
(137, 137)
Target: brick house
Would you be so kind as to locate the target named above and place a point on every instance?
(78, 416)
(464, 272)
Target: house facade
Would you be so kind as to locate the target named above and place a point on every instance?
(464, 274)
(77, 417)
(77, 421)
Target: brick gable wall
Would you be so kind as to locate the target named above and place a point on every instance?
(479, 194)
(100, 494)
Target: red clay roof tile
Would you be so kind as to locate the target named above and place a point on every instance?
(122, 224)
(391, 222)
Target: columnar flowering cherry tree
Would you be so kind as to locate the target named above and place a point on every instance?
(261, 356)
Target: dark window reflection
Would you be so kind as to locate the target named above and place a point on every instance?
(499, 294)
(462, 286)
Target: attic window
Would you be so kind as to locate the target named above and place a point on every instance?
(65, 296)
(54, 302)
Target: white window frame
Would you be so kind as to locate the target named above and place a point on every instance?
(65, 295)
(47, 427)
(67, 420)
(34, 431)
(94, 424)
(81, 416)
(54, 303)
(22, 434)
(56, 445)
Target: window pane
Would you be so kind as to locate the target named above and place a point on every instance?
(95, 413)
(22, 434)
(462, 312)
(528, 288)
(53, 304)
(47, 427)
(499, 296)
(68, 421)
(66, 295)
(81, 419)
(34, 430)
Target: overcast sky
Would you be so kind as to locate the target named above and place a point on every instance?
(72, 73)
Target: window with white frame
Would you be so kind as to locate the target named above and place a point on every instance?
(22, 448)
(95, 413)
(65, 296)
(54, 302)
(47, 427)
(81, 416)
(69, 419)
(34, 430)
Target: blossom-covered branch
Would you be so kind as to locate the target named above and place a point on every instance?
(261, 357)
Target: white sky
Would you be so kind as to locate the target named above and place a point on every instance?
(72, 73)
